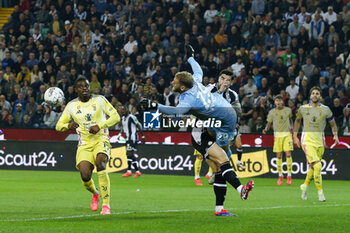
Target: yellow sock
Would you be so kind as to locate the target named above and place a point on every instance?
(289, 165)
(318, 176)
(279, 166)
(103, 180)
(90, 186)
(210, 171)
(309, 176)
(197, 168)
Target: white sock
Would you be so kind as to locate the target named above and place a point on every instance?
(239, 189)
(280, 175)
(320, 192)
(197, 177)
(129, 171)
(289, 174)
(209, 174)
(218, 208)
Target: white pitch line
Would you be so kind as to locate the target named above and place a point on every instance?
(163, 211)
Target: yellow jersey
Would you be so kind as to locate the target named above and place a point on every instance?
(87, 114)
(314, 123)
(281, 121)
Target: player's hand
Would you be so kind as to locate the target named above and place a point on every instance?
(94, 129)
(189, 51)
(148, 104)
(336, 139)
(296, 141)
(264, 131)
(143, 138)
(73, 125)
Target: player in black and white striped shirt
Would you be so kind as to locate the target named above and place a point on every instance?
(130, 125)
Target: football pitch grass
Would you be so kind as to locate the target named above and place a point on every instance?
(38, 201)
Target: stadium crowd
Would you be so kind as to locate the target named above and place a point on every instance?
(132, 48)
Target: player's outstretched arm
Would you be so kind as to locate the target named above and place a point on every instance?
(197, 70)
(63, 123)
(180, 109)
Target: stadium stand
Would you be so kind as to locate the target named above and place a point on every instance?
(129, 49)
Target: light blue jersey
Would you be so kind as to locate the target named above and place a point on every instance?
(200, 102)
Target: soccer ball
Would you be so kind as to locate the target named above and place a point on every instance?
(54, 96)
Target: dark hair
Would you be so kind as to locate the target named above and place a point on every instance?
(81, 78)
(315, 88)
(226, 72)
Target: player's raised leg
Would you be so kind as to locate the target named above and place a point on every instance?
(86, 169)
(104, 182)
(218, 155)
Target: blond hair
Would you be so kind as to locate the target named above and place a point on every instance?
(185, 78)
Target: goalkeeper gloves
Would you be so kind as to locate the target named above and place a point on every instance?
(189, 51)
(148, 104)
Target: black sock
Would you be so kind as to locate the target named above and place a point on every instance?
(220, 189)
(229, 175)
(129, 162)
(134, 163)
(239, 153)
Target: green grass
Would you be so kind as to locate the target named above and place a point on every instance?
(145, 204)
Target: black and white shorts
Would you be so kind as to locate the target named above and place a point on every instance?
(131, 145)
(202, 141)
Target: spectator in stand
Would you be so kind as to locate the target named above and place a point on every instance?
(292, 89)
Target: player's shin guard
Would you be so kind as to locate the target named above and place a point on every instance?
(239, 153)
(309, 176)
(279, 166)
(229, 175)
(220, 189)
(197, 168)
(90, 186)
(318, 176)
(103, 179)
(289, 165)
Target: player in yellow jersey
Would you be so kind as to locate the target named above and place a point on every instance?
(314, 115)
(197, 168)
(281, 119)
(91, 116)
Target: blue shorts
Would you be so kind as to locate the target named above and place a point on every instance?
(223, 138)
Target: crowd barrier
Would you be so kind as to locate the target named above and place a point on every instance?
(164, 159)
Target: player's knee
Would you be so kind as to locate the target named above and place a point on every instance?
(85, 176)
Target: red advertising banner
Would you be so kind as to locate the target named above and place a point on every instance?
(168, 138)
